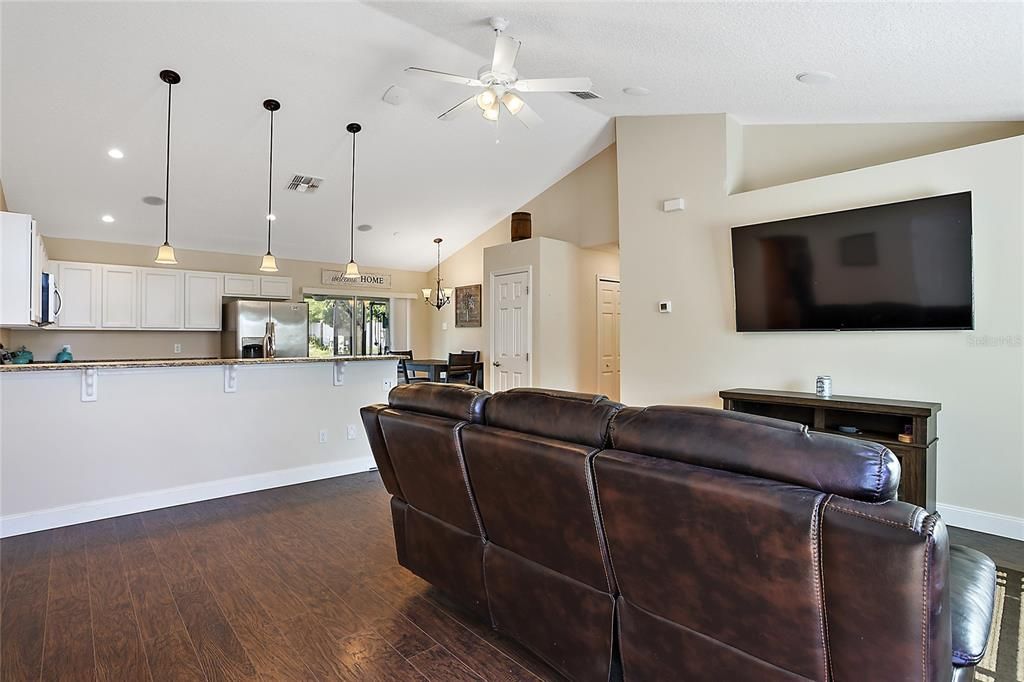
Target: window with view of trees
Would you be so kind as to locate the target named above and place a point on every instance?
(348, 325)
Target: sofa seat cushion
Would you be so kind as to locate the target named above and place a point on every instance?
(972, 585)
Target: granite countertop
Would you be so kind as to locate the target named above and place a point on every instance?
(183, 362)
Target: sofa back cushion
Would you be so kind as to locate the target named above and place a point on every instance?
(727, 563)
(581, 418)
(536, 499)
(759, 446)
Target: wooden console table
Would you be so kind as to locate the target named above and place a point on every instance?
(877, 419)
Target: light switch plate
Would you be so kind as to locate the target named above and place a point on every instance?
(351, 431)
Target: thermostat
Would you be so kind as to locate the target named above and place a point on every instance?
(664, 306)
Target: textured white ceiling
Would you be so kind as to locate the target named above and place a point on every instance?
(80, 78)
(895, 61)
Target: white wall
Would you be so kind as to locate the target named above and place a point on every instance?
(977, 376)
(163, 436)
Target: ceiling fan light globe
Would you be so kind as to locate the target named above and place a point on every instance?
(512, 102)
(486, 99)
(491, 112)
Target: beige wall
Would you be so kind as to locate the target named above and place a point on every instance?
(563, 307)
(101, 345)
(977, 376)
(777, 154)
(581, 208)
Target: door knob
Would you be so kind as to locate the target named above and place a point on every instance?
(496, 363)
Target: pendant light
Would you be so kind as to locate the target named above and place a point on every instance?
(444, 296)
(269, 263)
(352, 270)
(165, 254)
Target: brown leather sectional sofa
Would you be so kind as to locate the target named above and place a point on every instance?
(676, 543)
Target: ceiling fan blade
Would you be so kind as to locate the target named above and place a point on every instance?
(527, 116)
(467, 103)
(441, 75)
(554, 85)
(505, 50)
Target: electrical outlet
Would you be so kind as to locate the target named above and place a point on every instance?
(323, 435)
(177, 348)
(351, 431)
(389, 384)
(444, 326)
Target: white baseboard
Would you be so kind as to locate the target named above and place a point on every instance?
(982, 521)
(29, 522)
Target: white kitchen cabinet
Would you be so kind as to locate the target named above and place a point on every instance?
(161, 298)
(80, 287)
(203, 300)
(241, 285)
(119, 308)
(275, 287)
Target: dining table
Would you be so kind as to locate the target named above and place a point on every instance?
(435, 368)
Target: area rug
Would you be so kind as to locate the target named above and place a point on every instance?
(1004, 658)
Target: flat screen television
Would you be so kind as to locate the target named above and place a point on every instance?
(896, 266)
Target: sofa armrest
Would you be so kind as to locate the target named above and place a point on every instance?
(972, 585)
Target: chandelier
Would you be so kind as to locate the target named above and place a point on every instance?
(443, 296)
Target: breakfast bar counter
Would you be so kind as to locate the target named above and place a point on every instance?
(184, 362)
(118, 437)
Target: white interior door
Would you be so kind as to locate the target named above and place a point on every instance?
(510, 325)
(609, 315)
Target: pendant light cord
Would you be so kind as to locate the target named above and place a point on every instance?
(167, 170)
(270, 182)
(352, 209)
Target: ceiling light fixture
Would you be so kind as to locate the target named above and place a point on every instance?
(165, 255)
(352, 270)
(107, 218)
(444, 296)
(815, 77)
(636, 91)
(115, 154)
(269, 263)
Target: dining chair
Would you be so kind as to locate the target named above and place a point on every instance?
(461, 369)
(403, 372)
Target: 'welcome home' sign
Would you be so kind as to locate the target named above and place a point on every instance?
(373, 280)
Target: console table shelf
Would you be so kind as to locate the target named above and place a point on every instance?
(879, 420)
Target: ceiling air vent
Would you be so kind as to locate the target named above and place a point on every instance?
(304, 183)
(587, 95)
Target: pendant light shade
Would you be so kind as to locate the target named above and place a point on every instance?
(165, 254)
(352, 269)
(269, 263)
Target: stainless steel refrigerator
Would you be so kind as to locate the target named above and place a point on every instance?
(248, 323)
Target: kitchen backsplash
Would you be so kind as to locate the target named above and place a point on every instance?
(114, 345)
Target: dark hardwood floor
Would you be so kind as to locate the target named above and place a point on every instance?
(297, 583)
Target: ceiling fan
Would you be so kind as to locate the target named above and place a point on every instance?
(501, 84)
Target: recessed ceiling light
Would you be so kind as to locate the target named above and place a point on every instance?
(364, 228)
(107, 218)
(636, 91)
(815, 77)
(115, 153)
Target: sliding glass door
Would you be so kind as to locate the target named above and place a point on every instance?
(348, 325)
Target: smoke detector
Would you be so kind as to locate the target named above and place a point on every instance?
(305, 183)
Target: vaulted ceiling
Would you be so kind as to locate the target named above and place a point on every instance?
(80, 78)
